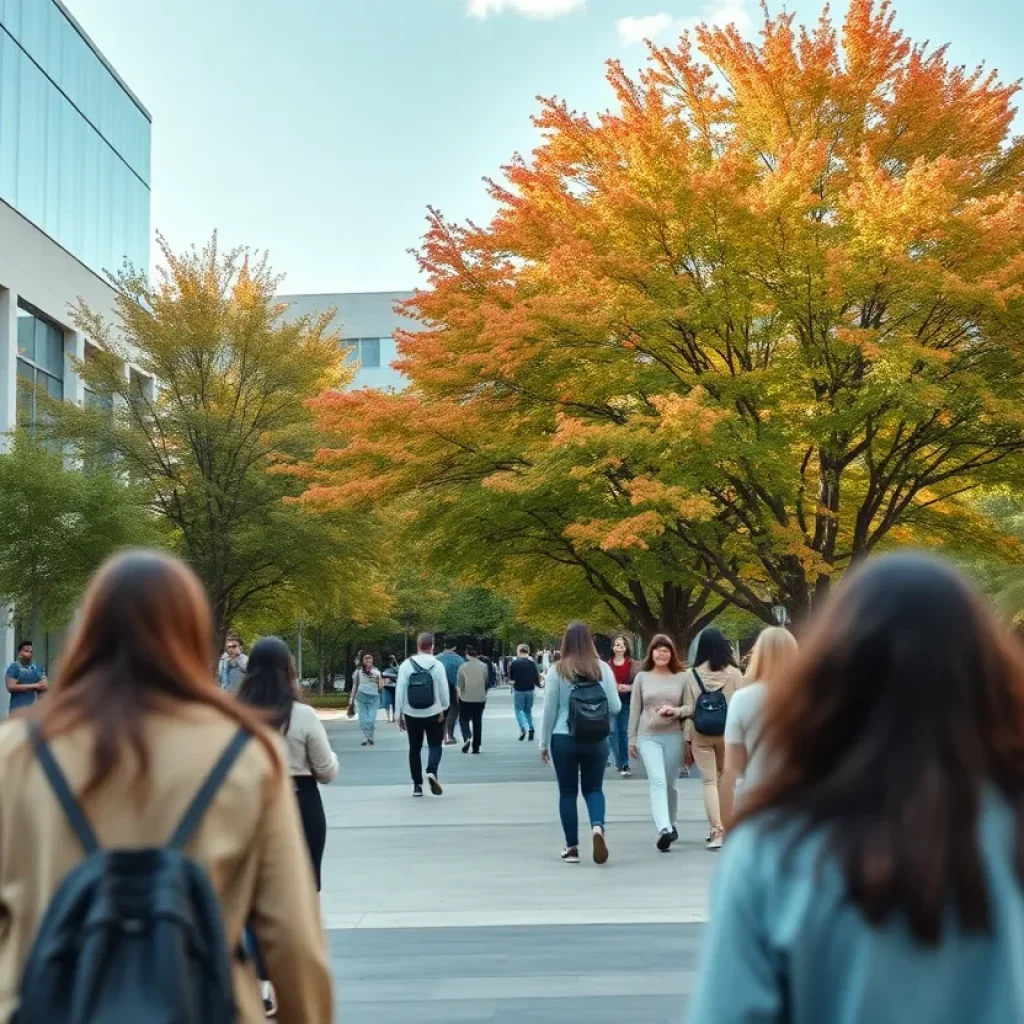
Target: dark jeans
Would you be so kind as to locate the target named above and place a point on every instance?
(471, 721)
(620, 733)
(579, 766)
(433, 729)
(314, 821)
(453, 713)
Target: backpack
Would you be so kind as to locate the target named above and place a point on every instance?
(130, 935)
(709, 711)
(420, 694)
(589, 716)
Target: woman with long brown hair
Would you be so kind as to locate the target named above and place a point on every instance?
(625, 669)
(136, 722)
(876, 873)
(580, 698)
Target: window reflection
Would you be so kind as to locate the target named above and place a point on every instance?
(40, 365)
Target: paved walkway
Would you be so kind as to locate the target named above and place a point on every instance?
(458, 907)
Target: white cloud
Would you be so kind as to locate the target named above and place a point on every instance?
(527, 8)
(716, 12)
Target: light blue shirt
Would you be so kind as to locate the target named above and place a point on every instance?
(556, 702)
(785, 947)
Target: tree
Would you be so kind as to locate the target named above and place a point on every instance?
(233, 379)
(57, 525)
(759, 320)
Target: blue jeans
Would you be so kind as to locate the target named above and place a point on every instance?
(522, 701)
(387, 698)
(579, 766)
(367, 705)
(620, 733)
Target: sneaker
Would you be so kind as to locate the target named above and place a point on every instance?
(600, 846)
(522, 736)
(466, 746)
(365, 743)
(476, 751)
(626, 772)
(435, 786)
(571, 855)
(417, 790)
(664, 841)
(717, 837)
(269, 1000)
(530, 736)
(675, 835)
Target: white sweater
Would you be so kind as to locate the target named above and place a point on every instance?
(436, 669)
(309, 752)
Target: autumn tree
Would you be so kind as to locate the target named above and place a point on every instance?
(232, 378)
(759, 319)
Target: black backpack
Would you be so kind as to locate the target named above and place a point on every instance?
(131, 935)
(420, 694)
(589, 716)
(710, 710)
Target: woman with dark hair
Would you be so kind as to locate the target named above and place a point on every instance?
(270, 683)
(136, 723)
(655, 731)
(577, 678)
(876, 873)
(624, 668)
(709, 687)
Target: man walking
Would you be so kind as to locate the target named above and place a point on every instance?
(473, 680)
(421, 700)
(24, 679)
(452, 662)
(232, 665)
(525, 680)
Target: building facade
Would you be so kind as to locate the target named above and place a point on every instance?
(74, 203)
(366, 322)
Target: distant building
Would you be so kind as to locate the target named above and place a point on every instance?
(367, 322)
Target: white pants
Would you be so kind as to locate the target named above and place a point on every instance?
(662, 756)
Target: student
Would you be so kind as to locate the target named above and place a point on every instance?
(389, 680)
(451, 660)
(525, 679)
(421, 700)
(709, 688)
(136, 723)
(24, 679)
(472, 683)
(875, 873)
(624, 668)
(574, 734)
(772, 656)
(655, 731)
(366, 687)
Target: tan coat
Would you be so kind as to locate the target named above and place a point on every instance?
(250, 843)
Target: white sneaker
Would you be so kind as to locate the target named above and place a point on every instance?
(269, 1000)
(715, 840)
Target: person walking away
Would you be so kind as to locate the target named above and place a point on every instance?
(525, 680)
(366, 685)
(105, 770)
(451, 660)
(389, 680)
(421, 700)
(24, 679)
(581, 698)
(232, 665)
(875, 872)
(624, 668)
(655, 731)
(271, 685)
(709, 688)
(472, 683)
(771, 658)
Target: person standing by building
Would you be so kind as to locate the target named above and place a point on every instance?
(232, 665)
(525, 680)
(24, 679)
(655, 731)
(366, 686)
(451, 660)
(473, 682)
(624, 668)
(421, 700)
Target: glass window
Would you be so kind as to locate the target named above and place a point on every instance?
(369, 353)
(40, 363)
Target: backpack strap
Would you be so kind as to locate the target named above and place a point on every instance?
(208, 790)
(700, 682)
(61, 789)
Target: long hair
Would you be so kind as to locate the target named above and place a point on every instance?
(579, 658)
(713, 650)
(270, 681)
(904, 705)
(143, 642)
(629, 646)
(773, 653)
(662, 640)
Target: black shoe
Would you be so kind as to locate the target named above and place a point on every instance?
(664, 841)
(476, 751)
(522, 736)
(435, 786)
(675, 835)
(466, 746)
(417, 790)
(530, 736)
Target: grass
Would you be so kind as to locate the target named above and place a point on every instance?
(327, 700)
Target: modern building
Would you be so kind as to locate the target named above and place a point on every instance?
(367, 322)
(74, 202)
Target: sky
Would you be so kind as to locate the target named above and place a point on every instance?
(321, 130)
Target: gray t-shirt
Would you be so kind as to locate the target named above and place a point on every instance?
(743, 728)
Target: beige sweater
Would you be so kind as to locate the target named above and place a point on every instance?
(651, 692)
(728, 680)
